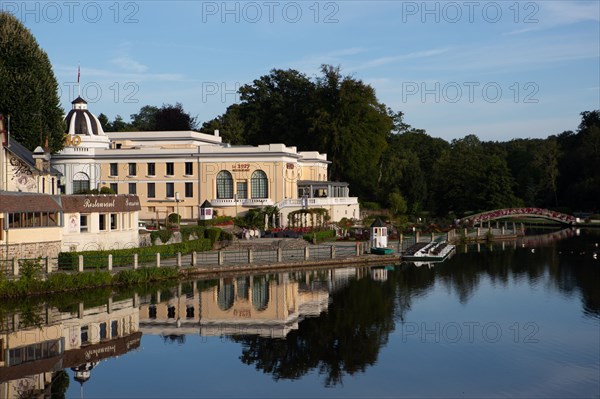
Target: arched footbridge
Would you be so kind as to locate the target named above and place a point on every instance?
(481, 218)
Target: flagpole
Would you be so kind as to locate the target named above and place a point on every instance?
(78, 76)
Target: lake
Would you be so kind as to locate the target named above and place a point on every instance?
(513, 319)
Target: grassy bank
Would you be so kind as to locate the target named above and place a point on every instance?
(31, 282)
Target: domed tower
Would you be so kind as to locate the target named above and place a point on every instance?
(84, 139)
(83, 128)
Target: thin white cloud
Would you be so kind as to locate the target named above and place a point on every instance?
(552, 14)
(93, 74)
(402, 57)
(507, 56)
(125, 61)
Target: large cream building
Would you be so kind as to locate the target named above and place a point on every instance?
(176, 171)
(35, 221)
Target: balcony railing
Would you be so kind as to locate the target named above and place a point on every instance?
(317, 202)
(222, 202)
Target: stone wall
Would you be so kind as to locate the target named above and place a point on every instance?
(32, 250)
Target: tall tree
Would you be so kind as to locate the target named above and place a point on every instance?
(472, 176)
(230, 126)
(277, 108)
(351, 125)
(145, 120)
(28, 88)
(546, 159)
(173, 117)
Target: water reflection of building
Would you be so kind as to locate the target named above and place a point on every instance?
(36, 345)
(265, 305)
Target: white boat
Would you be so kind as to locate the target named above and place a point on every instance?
(435, 251)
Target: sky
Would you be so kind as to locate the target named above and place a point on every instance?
(497, 69)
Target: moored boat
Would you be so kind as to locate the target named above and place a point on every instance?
(434, 251)
(382, 251)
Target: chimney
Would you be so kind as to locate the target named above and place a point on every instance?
(216, 132)
(42, 159)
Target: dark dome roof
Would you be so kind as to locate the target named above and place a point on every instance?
(85, 122)
(81, 121)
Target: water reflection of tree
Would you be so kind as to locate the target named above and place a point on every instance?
(566, 266)
(174, 339)
(60, 383)
(411, 282)
(343, 341)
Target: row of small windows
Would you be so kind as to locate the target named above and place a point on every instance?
(102, 332)
(34, 352)
(259, 186)
(106, 221)
(18, 220)
(171, 312)
(132, 169)
(151, 189)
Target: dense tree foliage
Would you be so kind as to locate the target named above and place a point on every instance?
(403, 168)
(151, 118)
(334, 114)
(28, 88)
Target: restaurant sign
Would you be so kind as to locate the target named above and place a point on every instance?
(100, 203)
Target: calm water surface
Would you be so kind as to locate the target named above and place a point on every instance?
(520, 319)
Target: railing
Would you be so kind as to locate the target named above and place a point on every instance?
(219, 202)
(325, 201)
(208, 259)
(518, 212)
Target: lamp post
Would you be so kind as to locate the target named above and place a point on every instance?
(235, 198)
(177, 206)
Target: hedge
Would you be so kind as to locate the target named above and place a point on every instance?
(65, 282)
(323, 235)
(124, 257)
(212, 233)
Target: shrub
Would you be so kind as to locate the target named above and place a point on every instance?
(213, 234)
(187, 231)
(320, 236)
(174, 218)
(164, 235)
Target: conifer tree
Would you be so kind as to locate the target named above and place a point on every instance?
(28, 87)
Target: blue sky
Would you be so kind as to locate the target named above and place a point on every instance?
(500, 70)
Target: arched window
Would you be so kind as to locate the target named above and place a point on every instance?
(224, 185)
(260, 293)
(81, 182)
(260, 184)
(225, 296)
(243, 288)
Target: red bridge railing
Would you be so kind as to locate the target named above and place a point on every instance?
(518, 212)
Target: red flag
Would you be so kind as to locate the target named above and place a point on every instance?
(78, 72)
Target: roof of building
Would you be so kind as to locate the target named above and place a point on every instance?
(322, 182)
(79, 100)
(378, 223)
(206, 204)
(26, 156)
(82, 122)
(12, 201)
